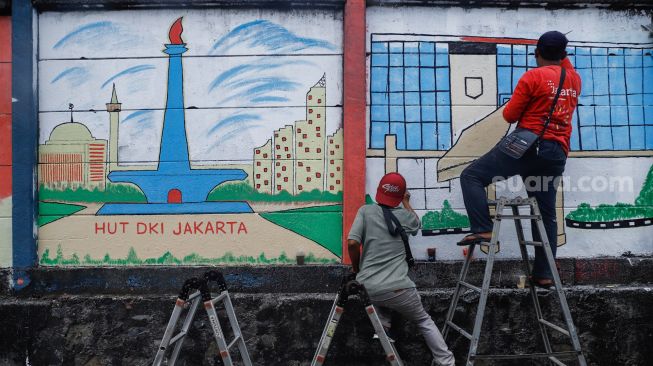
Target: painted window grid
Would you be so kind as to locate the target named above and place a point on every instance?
(410, 95)
(615, 109)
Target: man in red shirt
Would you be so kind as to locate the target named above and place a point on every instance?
(542, 166)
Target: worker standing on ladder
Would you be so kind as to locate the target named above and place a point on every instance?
(534, 108)
(383, 268)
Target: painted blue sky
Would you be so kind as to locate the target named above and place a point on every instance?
(236, 102)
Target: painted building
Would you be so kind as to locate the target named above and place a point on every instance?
(309, 141)
(283, 160)
(307, 149)
(334, 159)
(72, 158)
(263, 168)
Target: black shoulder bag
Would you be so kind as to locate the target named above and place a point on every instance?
(521, 140)
(394, 228)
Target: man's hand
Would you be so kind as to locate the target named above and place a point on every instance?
(406, 201)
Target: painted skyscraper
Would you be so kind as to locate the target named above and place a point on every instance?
(302, 158)
(174, 186)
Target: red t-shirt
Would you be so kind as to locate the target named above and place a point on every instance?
(531, 102)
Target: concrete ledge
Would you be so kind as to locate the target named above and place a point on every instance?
(314, 278)
(615, 326)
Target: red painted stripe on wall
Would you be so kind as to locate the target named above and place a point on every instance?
(500, 40)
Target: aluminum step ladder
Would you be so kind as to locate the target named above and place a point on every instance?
(194, 291)
(462, 285)
(348, 288)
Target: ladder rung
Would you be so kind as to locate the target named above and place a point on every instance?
(516, 202)
(459, 330)
(553, 326)
(527, 355)
(556, 361)
(177, 337)
(219, 297)
(518, 217)
(233, 342)
(470, 286)
(533, 243)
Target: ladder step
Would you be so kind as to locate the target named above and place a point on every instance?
(234, 342)
(518, 217)
(459, 330)
(470, 286)
(177, 337)
(527, 355)
(510, 203)
(555, 327)
(533, 243)
(219, 297)
(556, 361)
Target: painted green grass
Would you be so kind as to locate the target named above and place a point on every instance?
(53, 211)
(320, 226)
(327, 208)
(167, 258)
(242, 191)
(112, 193)
(642, 208)
(447, 218)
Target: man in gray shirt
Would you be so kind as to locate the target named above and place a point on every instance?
(382, 268)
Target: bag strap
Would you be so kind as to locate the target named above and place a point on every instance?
(394, 228)
(563, 73)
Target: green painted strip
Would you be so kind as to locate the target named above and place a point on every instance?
(168, 259)
(53, 211)
(324, 228)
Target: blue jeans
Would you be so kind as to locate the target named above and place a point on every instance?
(540, 172)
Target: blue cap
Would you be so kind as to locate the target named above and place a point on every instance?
(552, 45)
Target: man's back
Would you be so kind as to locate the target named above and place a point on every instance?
(383, 265)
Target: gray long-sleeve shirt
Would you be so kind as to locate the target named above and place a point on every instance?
(383, 265)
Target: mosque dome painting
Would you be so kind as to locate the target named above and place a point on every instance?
(72, 158)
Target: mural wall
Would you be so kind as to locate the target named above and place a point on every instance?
(186, 137)
(438, 78)
(5, 142)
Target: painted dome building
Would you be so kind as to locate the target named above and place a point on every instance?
(72, 158)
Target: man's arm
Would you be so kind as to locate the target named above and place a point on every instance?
(519, 100)
(354, 249)
(355, 238)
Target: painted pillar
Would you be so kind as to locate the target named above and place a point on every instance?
(113, 108)
(354, 75)
(24, 113)
(174, 145)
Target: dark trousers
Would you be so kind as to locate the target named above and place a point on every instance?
(539, 171)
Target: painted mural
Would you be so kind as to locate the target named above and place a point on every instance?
(436, 91)
(5, 143)
(189, 138)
